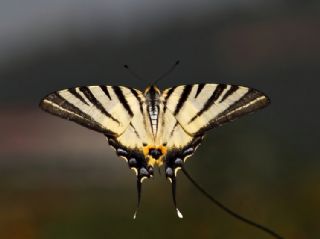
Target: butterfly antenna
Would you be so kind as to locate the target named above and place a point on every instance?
(167, 72)
(139, 198)
(134, 74)
(229, 211)
(173, 184)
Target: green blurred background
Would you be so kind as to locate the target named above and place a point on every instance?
(59, 180)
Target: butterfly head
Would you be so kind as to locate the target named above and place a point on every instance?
(151, 91)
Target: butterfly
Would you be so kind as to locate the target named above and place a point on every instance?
(154, 128)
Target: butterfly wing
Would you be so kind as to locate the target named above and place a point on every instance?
(116, 111)
(191, 110)
(106, 109)
(200, 107)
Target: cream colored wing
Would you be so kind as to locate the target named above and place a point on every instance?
(106, 109)
(116, 111)
(179, 143)
(172, 134)
(200, 107)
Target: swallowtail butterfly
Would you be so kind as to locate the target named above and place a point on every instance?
(156, 128)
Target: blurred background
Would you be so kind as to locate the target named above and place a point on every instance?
(60, 180)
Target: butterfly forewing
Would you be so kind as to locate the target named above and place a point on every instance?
(107, 109)
(200, 107)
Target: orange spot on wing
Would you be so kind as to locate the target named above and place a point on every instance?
(152, 161)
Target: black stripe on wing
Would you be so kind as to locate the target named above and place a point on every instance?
(87, 92)
(166, 98)
(57, 105)
(210, 101)
(105, 90)
(135, 93)
(77, 95)
(63, 103)
(117, 90)
(200, 87)
(251, 101)
(232, 89)
(135, 130)
(184, 96)
(173, 129)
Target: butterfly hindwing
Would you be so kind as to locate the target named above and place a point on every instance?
(106, 109)
(200, 107)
